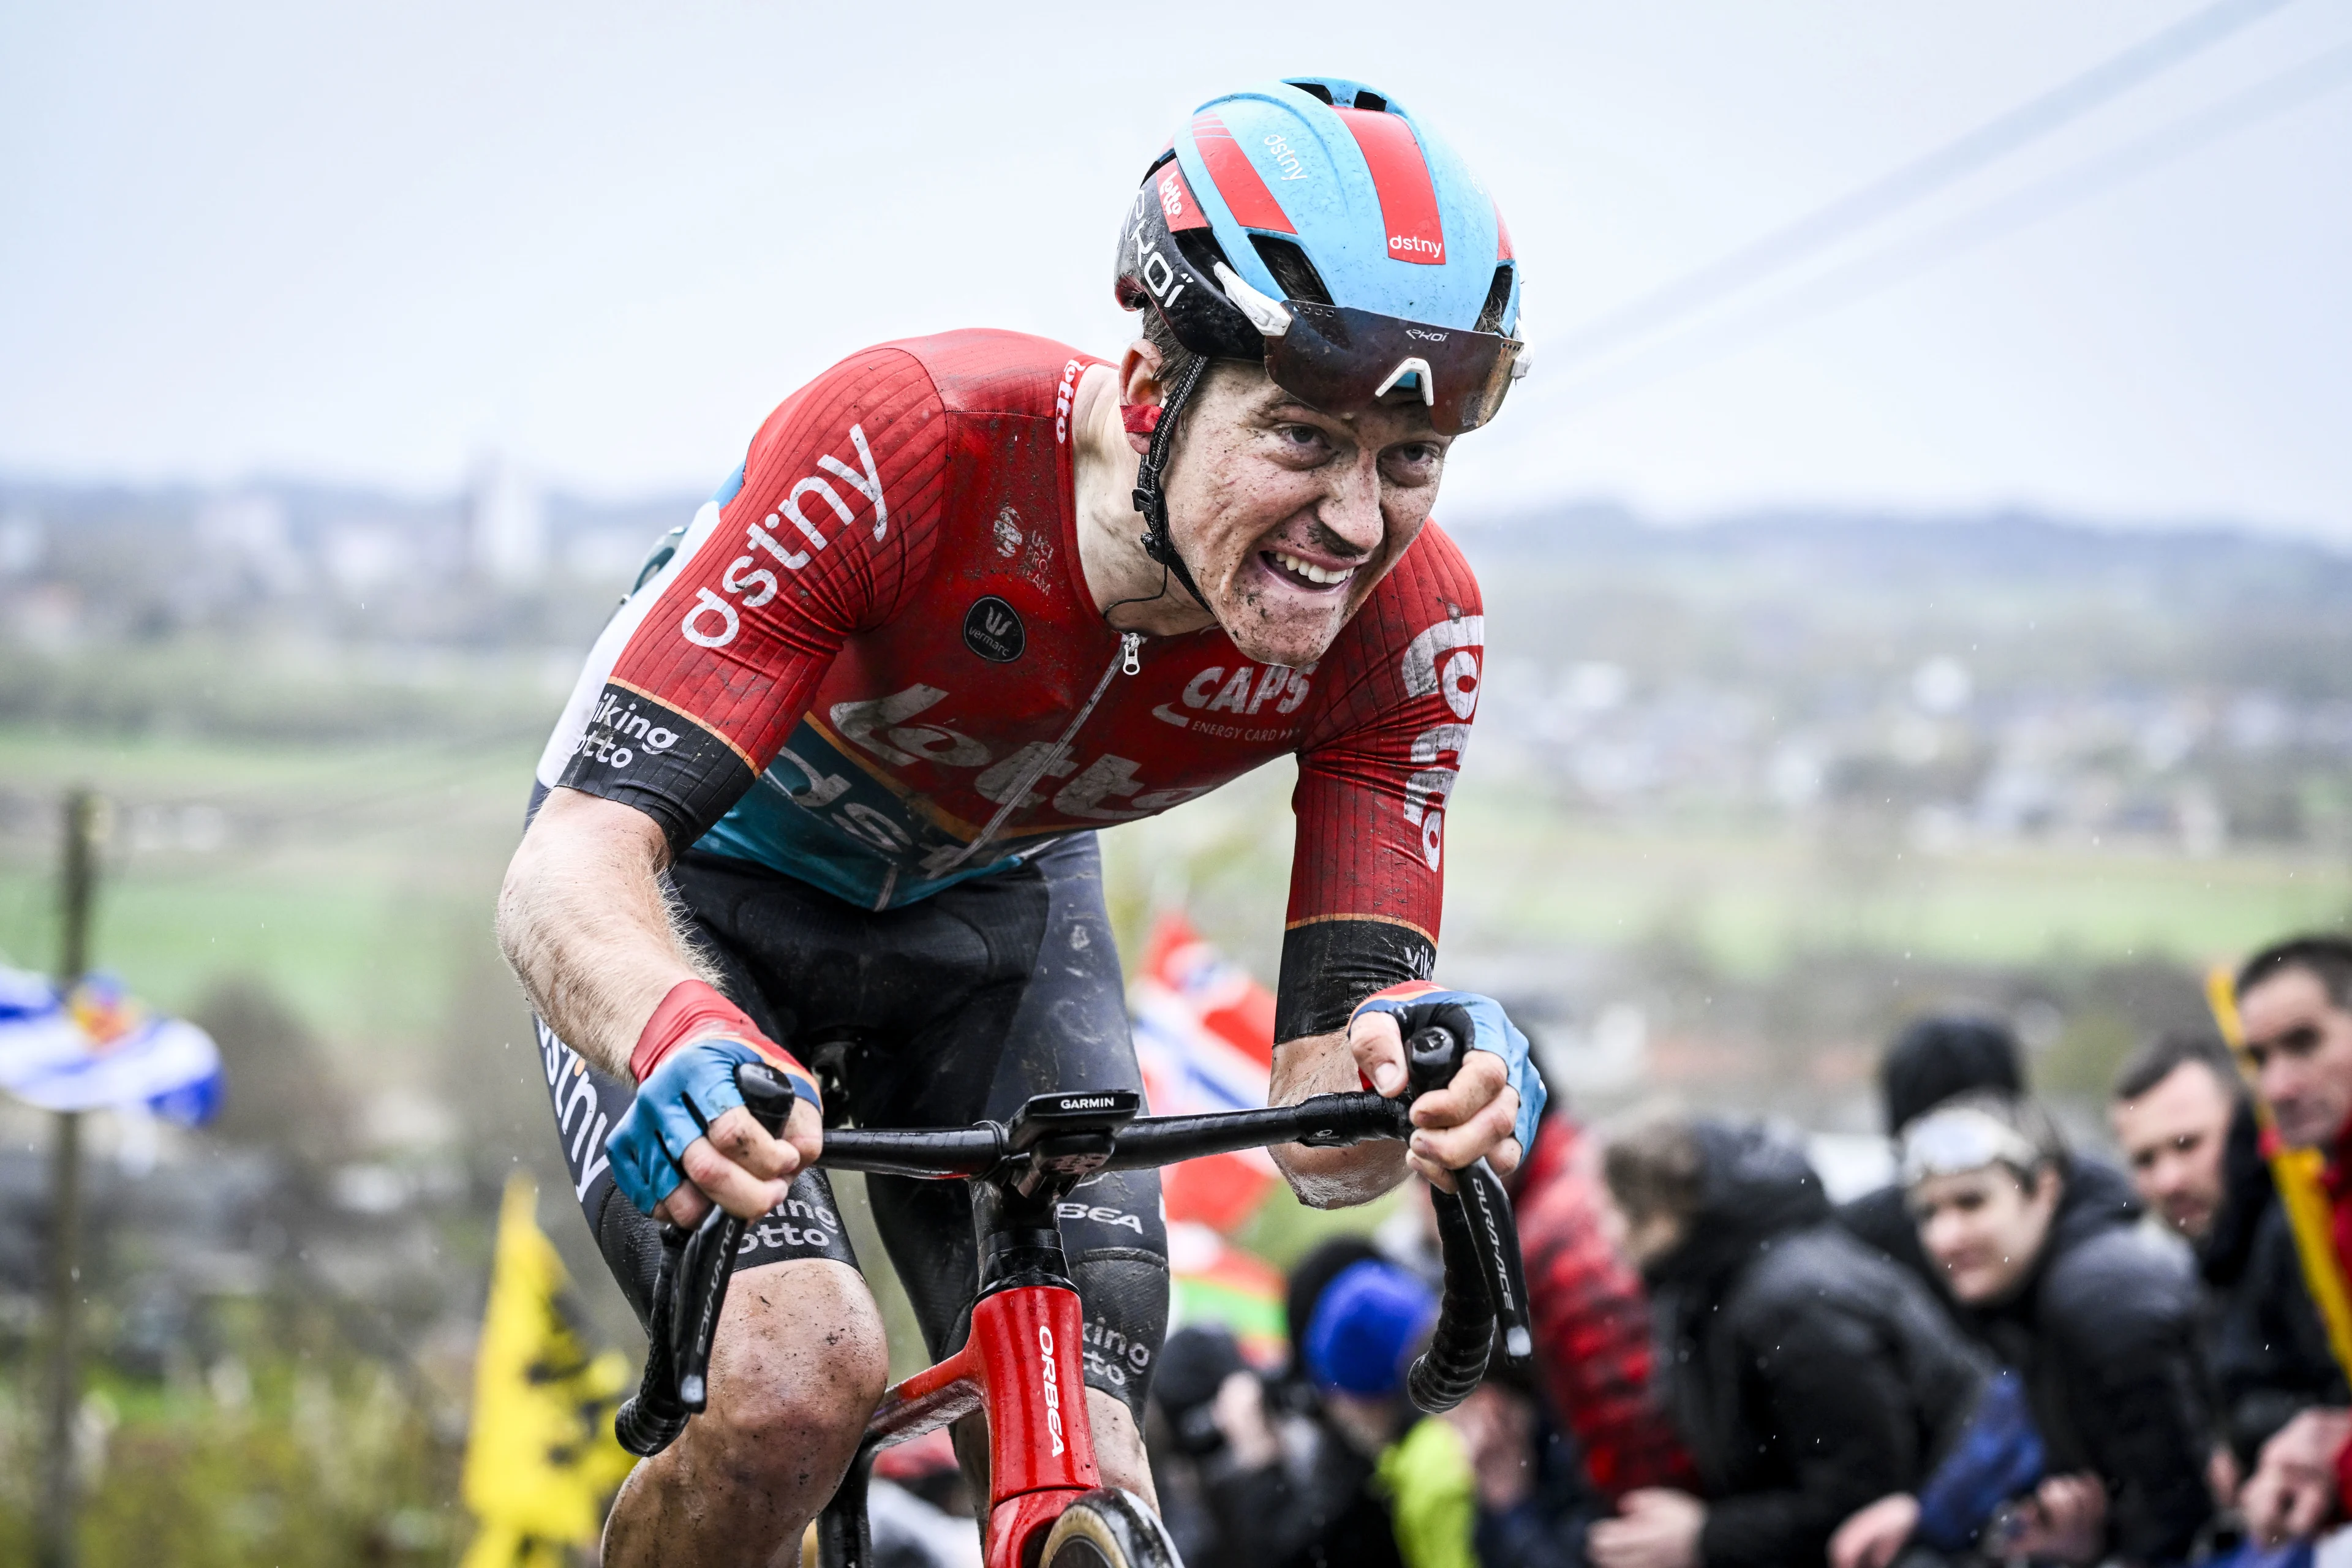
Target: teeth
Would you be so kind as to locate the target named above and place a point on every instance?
(1311, 571)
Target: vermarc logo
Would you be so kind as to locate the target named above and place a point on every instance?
(993, 629)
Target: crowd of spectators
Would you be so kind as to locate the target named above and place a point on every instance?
(2014, 1352)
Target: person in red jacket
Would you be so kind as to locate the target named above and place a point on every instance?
(2294, 1005)
(1592, 1319)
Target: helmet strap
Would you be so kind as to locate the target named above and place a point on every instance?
(1150, 493)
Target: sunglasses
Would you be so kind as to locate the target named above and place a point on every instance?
(1342, 360)
(1963, 1139)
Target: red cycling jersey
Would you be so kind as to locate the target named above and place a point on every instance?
(874, 663)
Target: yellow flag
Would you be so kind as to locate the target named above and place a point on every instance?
(542, 1456)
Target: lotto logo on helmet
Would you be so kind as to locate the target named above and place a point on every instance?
(1172, 194)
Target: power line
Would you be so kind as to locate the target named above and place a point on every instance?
(2047, 198)
(1793, 242)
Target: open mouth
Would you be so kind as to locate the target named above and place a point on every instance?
(1305, 574)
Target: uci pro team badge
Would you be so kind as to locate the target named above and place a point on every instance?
(992, 630)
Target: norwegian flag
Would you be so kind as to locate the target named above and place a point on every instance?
(1204, 1037)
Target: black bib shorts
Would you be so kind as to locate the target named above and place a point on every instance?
(958, 1007)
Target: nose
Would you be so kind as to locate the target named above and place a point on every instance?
(1352, 507)
(2276, 1080)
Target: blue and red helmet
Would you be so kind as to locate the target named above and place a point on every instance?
(1314, 224)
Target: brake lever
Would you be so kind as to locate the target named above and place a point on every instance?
(651, 1419)
(708, 1262)
(689, 1289)
(1433, 1056)
(1495, 1236)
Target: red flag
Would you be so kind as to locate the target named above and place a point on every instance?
(1204, 1036)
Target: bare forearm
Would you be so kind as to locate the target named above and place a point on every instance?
(1329, 1178)
(582, 919)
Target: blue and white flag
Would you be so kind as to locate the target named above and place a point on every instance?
(99, 1051)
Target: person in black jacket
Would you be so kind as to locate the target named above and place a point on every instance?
(1807, 1376)
(2188, 1131)
(1934, 1059)
(2098, 1317)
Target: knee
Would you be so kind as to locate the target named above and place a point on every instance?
(801, 1372)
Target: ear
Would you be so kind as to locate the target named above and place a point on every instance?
(1139, 383)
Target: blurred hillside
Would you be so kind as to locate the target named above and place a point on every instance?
(1996, 742)
(1742, 798)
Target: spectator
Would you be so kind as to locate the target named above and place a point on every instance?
(1535, 1500)
(1362, 1479)
(2187, 1129)
(1181, 1430)
(1591, 1319)
(2097, 1317)
(2294, 1002)
(1807, 1376)
(1932, 1060)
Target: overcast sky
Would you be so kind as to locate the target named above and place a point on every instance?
(330, 240)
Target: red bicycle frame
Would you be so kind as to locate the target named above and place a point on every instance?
(1022, 1364)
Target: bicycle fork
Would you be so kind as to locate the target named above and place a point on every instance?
(1024, 1363)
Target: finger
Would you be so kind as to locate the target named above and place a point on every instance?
(2260, 1506)
(727, 1183)
(2306, 1510)
(1477, 1082)
(1378, 1046)
(1454, 1147)
(1430, 1171)
(1506, 1156)
(804, 1133)
(686, 1206)
(737, 1135)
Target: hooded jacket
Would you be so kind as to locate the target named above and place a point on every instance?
(1807, 1374)
(1882, 1218)
(2103, 1329)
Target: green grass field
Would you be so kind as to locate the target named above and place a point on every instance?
(357, 880)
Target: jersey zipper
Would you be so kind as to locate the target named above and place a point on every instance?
(1129, 660)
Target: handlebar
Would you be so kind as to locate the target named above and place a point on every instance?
(1484, 1287)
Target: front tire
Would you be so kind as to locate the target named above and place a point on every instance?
(1108, 1528)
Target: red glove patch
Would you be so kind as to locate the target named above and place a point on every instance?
(694, 1010)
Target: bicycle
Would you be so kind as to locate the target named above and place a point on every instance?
(1021, 1365)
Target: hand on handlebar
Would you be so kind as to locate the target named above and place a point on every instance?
(688, 1140)
(1490, 1109)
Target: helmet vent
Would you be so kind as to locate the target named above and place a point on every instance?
(1201, 249)
(1314, 90)
(1499, 300)
(1291, 269)
(1367, 99)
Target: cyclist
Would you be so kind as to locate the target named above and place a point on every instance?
(830, 779)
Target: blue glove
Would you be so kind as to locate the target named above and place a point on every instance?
(1417, 1004)
(693, 1087)
(1999, 1457)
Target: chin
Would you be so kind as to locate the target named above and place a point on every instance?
(1292, 648)
(1272, 623)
